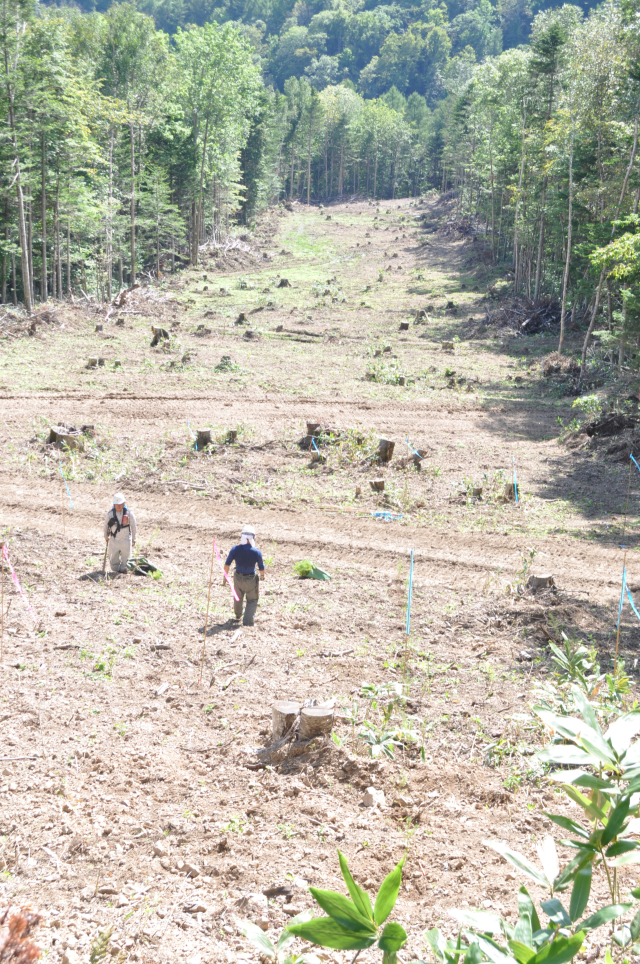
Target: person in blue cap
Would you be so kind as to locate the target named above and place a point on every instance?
(246, 581)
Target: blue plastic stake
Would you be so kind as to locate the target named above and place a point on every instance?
(193, 436)
(515, 481)
(408, 627)
(313, 442)
(65, 483)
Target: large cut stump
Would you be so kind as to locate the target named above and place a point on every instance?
(203, 439)
(62, 438)
(283, 716)
(385, 449)
(315, 721)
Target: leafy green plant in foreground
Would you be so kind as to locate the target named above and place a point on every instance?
(278, 952)
(354, 925)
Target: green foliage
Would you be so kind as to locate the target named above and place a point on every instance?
(354, 924)
(280, 952)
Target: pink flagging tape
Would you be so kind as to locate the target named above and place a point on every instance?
(226, 574)
(5, 553)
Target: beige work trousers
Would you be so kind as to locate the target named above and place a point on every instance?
(248, 586)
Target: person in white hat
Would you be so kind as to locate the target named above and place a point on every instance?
(245, 579)
(120, 533)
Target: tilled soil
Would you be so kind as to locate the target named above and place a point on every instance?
(129, 794)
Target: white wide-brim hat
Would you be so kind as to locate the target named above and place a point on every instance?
(118, 499)
(248, 531)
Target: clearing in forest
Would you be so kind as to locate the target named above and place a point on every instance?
(127, 802)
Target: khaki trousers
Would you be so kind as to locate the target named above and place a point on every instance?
(248, 586)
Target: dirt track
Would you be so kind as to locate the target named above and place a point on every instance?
(118, 768)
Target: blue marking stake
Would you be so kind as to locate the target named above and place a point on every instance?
(515, 481)
(408, 627)
(65, 483)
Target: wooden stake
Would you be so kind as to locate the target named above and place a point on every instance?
(206, 622)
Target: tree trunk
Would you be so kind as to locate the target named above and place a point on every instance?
(44, 281)
(543, 204)
(133, 206)
(493, 200)
(68, 259)
(5, 259)
(22, 230)
(596, 305)
(200, 218)
(309, 162)
(565, 280)
(14, 279)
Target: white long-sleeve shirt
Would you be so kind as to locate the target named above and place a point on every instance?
(132, 523)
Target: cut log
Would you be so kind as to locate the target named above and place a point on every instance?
(203, 439)
(315, 721)
(283, 716)
(62, 439)
(377, 485)
(159, 334)
(385, 449)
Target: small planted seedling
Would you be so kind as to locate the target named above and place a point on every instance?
(353, 925)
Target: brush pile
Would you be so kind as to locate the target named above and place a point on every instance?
(526, 317)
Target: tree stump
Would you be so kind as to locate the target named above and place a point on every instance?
(418, 456)
(284, 283)
(542, 581)
(404, 326)
(385, 450)
(510, 492)
(203, 439)
(377, 485)
(476, 491)
(232, 436)
(159, 334)
(421, 316)
(283, 716)
(402, 380)
(62, 438)
(92, 363)
(242, 319)
(315, 721)
(314, 428)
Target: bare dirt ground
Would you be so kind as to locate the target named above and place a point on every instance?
(134, 808)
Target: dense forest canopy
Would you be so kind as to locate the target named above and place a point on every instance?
(135, 134)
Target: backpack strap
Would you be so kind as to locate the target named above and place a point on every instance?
(113, 525)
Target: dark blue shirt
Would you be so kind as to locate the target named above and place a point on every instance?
(246, 559)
